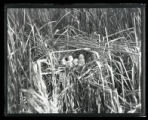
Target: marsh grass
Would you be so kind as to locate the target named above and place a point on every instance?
(110, 83)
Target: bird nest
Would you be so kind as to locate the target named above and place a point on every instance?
(79, 62)
(69, 59)
(75, 55)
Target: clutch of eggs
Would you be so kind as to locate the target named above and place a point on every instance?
(71, 61)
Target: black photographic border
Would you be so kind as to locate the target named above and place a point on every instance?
(109, 5)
